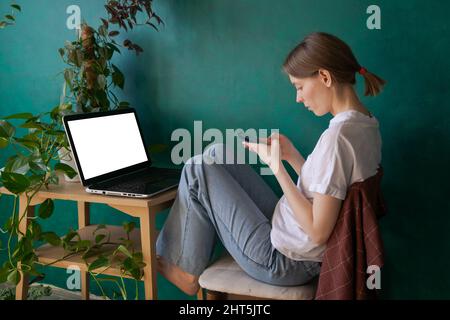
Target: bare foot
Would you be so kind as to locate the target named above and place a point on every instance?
(186, 282)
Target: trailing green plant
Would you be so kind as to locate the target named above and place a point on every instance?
(24, 173)
(35, 166)
(10, 18)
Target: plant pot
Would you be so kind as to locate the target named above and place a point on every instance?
(66, 157)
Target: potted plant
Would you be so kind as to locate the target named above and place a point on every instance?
(91, 76)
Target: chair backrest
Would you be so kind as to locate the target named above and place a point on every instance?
(354, 244)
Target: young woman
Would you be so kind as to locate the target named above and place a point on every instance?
(278, 241)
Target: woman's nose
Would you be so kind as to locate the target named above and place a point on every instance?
(299, 99)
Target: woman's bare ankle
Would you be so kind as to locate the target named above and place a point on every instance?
(186, 282)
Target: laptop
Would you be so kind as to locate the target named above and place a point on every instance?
(111, 155)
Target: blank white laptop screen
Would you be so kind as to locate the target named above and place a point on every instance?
(106, 144)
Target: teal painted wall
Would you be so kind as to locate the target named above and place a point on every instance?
(219, 61)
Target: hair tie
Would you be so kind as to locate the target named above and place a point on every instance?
(362, 71)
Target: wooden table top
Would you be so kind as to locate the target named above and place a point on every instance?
(76, 192)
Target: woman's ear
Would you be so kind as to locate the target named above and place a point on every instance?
(325, 77)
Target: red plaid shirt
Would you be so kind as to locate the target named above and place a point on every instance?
(354, 244)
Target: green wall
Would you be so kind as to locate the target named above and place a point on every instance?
(219, 61)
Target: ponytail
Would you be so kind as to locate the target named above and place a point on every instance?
(373, 83)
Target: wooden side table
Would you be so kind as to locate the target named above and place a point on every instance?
(143, 238)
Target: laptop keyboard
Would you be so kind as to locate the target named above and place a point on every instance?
(138, 185)
(128, 187)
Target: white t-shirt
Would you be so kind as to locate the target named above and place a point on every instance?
(348, 151)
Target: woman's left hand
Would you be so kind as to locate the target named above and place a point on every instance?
(269, 154)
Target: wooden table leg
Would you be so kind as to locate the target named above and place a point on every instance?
(148, 242)
(83, 221)
(22, 286)
(147, 219)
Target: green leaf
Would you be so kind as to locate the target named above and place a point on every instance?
(53, 179)
(51, 238)
(15, 182)
(65, 107)
(23, 115)
(129, 226)
(55, 132)
(10, 17)
(16, 6)
(83, 244)
(78, 57)
(31, 144)
(17, 164)
(100, 262)
(102, 30)
(6, 129)
(113, 47)
(46, 209)
(68, 76)
(105, 23)
(68, 170)
(103, 51)
(102, 99)
(4, 271)
(33, 125)
(35, 229)
(132, 268)
(14, 277)
(3, 142)
(124, 250)
(99, 238)
(118, 77)
(37, 165)
(60, 110)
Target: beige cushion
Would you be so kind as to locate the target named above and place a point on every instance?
(225, 275)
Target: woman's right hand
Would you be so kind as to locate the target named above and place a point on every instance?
(288, 149)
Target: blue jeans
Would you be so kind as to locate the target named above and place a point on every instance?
(233, 202)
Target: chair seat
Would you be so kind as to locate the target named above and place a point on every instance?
(225, 275)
